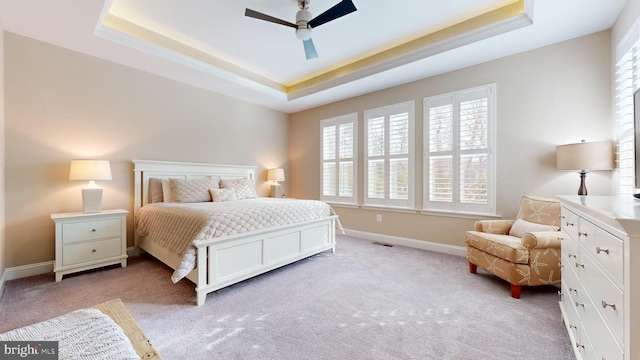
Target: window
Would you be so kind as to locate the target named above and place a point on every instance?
(627, 78)
(389, 153)
(339, 160)
(458, 146)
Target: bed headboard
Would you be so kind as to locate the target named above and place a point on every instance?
(146, 169)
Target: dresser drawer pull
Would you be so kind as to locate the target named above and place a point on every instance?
(569, 224)
(580, 265)
(582, 234)
(578, 345)
(560, 238)
(93, 230)
(604, 250)
(571, 326)
(605, 304)
(575, 256)
(573, 289)
(579, 304)
(93, 250)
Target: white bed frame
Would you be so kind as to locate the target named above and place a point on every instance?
(224, 261)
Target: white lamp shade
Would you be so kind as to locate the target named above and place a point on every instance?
(275, 175)
(585, 156)
(90, 170)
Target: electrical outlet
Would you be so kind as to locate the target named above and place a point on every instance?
(378, 218)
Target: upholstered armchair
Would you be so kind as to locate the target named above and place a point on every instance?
(524, 251)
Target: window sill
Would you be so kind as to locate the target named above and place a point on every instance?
(460, 214)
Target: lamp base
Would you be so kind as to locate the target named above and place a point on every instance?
(583, 187)
(276, 190)
(91, 200)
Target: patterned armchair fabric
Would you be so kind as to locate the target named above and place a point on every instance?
(531, 259)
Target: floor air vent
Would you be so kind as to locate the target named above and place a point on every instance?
(381, 244)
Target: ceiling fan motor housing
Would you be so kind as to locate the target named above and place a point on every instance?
(303, 32)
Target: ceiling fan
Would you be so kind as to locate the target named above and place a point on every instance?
(304, 22)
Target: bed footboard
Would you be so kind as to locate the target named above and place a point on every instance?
(225, 261)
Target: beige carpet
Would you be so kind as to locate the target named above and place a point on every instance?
(364, 302)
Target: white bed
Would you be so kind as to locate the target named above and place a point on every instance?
(226, 260)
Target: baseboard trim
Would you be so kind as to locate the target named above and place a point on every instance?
(24, 271)
(2, 280)
(413, 243)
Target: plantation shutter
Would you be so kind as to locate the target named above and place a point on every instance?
(338, 159)
(389, 155)
(458, 151)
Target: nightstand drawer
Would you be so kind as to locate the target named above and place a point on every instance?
(91, 251)
(91, 230)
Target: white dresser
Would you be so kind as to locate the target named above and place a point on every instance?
(600, 301)
(88, 241)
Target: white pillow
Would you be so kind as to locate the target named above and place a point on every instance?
(155, 190)
(520, 227)
(244, 188)
(191, 190)
(223, 195)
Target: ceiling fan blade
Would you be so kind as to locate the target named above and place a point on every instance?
(258, 15)
(341, 9)
(310, 49)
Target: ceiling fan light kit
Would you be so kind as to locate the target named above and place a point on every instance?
(304, 21)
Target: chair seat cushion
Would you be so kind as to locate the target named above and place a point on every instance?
(506, 247)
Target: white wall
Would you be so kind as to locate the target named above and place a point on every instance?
(546, 97)
(62, 105)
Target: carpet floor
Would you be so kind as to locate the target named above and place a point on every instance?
(365, 301)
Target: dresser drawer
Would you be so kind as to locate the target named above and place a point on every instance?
(90, 230)
(91, 251)
(586, 232)
(572, 320)
(607, 297)
(570, 223)
(608, 250)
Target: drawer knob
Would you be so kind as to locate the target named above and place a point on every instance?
(582, 234)
(93, 230)
(604, 250)
(93, 250)
(605, 304)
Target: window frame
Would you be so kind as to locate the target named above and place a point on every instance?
(337, 121)
(387, 112)
(456, 205)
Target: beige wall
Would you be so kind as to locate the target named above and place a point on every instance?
(546, 97)
(2, 192)
(62, 105)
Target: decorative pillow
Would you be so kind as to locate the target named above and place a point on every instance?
(155, 190)
(522, 226)
(166, 190)
(191, 190)
(223, 195)
(244, 188)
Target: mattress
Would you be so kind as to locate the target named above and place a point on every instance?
(177, 226)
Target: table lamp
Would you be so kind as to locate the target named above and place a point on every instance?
(275, 175)
(90, 170)
(585, 156)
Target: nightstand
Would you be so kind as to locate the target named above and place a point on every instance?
(89, 241)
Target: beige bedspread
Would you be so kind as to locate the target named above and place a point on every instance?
(177, 225)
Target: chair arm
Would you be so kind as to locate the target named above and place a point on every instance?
(500, 227)
(542, 240)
